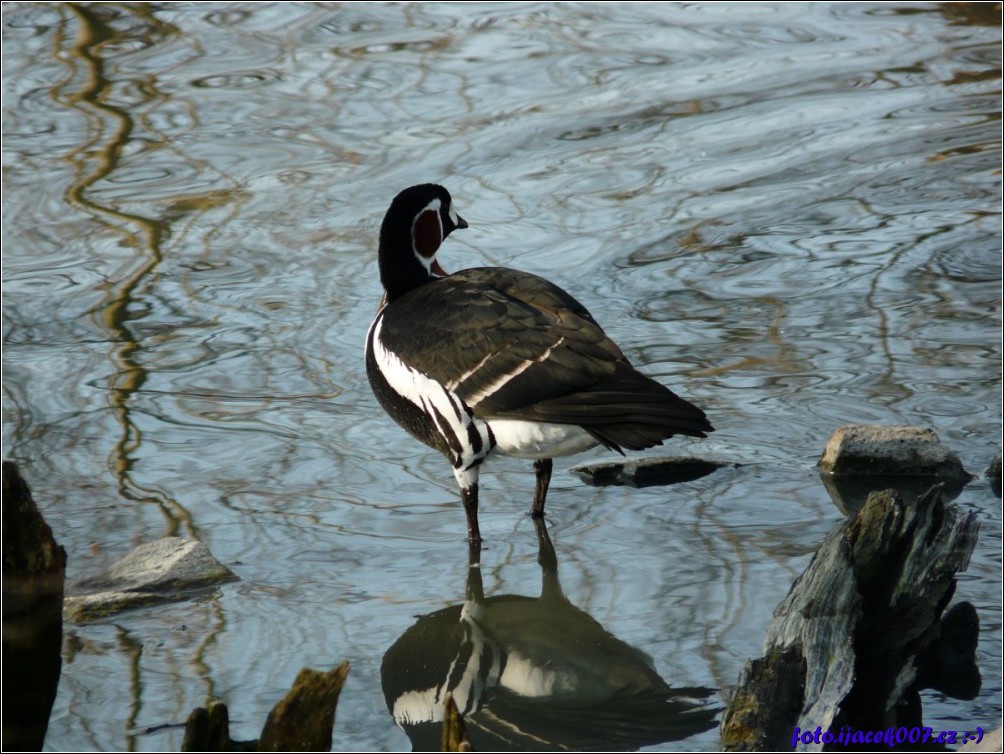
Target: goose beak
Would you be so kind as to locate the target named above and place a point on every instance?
(461, 222)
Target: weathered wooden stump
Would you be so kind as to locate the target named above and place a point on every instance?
(208, 729)
(845, 645)
(34, 571)
(303, 720)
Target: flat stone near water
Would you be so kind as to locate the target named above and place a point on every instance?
(162, 571)
(865, 449)
(648, 472)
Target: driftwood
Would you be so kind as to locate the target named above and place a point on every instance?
(302, 721)
(34, 570)
(208, 729)
(861, 630)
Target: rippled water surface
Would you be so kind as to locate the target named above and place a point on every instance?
(788, 213)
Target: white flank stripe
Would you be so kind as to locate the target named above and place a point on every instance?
(428, 394)
(501, 381)
(529, 678)
(497, 385)
(452, 384)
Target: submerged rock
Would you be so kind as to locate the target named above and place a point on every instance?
(162, 571)
(994, 469)
(648, 472)
(949, 663)
(868, 449)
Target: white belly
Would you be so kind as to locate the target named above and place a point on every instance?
(523, 439)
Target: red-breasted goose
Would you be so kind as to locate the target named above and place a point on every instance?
(492, 360)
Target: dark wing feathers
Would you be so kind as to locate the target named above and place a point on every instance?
(539, 293)
(625, 410)
(491, 334)
(520, 347)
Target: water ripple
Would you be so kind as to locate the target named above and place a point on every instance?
(788, 213)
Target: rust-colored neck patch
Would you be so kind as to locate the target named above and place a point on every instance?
(427, 233)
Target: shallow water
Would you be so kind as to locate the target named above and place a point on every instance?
(788, 213)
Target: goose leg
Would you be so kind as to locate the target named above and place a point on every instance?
(543, 470)
(469, 496)
(475, 591)
(546, 556)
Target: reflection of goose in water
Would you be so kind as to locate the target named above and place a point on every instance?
(533, 673)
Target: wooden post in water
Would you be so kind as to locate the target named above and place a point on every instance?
(34, 573)
(303, 720)
(844, 648)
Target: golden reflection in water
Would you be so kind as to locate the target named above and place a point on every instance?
(87, 89)
(109, 130)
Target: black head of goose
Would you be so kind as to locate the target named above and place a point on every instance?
(493, 360)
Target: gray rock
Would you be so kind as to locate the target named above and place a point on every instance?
(166, 570)
(868, 450)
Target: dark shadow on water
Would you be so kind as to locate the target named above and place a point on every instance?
(849, 492)
(533, 673)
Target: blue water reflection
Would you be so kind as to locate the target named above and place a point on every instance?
(789, 212)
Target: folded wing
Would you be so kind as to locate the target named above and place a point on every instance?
(519, 347)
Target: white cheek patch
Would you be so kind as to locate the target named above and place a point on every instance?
(454, 218)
